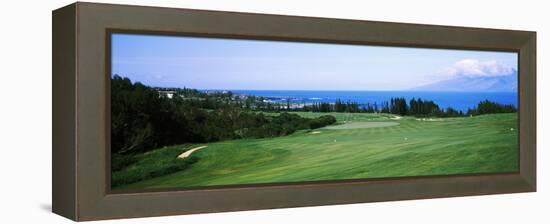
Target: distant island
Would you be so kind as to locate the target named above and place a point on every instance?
(462, 83)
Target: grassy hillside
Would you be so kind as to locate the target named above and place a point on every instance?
(357, 149)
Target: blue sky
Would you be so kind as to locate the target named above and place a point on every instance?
(216, 63)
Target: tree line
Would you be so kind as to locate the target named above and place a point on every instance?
(415, 107)
(142, 119)
(488, 107)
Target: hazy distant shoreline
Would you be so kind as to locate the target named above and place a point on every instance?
(458, 100)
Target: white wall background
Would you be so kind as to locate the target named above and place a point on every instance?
(25, 111)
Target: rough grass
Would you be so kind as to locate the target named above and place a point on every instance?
(466, 145)
(362, 124)
(133, 168)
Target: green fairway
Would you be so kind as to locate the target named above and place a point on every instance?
(362, 124)
(359, 146)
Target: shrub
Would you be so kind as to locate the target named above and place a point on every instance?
(322, 121)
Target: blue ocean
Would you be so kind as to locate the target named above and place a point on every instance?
(457, 100)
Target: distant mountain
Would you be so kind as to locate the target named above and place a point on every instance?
(504, 83)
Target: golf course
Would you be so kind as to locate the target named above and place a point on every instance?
(358, 145)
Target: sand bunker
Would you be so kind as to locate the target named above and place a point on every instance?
(188, 152)
(357, 125)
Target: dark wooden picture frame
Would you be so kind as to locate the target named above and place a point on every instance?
(81, 127)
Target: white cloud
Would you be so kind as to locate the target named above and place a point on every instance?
(477, 68)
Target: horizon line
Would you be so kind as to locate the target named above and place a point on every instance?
(338, 90)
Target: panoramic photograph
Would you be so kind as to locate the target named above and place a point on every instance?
(203, 111)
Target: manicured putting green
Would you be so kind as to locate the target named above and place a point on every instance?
(357, 125)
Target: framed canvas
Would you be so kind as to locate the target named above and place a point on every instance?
(162, 111)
